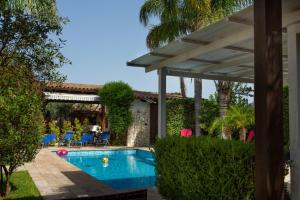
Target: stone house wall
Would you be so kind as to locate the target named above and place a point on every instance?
(139, 132)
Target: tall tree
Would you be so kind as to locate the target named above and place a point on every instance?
(45, 10)
(27, 56)
(21, 121)
(180, 17)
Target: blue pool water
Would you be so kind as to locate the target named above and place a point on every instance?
(126, 169)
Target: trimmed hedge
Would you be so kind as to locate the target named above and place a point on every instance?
(204, 168)
(180, 114)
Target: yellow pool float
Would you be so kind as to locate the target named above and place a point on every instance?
(105, 160)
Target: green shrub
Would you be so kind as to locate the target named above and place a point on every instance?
(117, 96)
(67, 126)
(54, 128)
(208, 113)
(180, 114)
(86, 125)
(78, 129)
(204, 168)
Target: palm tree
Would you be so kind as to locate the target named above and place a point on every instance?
(220, 124)
(223, 90)
(240, 117)
(237, 117)
(180, 17)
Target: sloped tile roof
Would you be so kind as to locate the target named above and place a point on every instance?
(93, 88)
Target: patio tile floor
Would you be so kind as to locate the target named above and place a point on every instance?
(57, 179)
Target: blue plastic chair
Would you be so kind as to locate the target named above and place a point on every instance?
(85, 138)
(104, 138)
(48, 138)
(67, 138)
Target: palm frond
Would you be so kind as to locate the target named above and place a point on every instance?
(150, 9)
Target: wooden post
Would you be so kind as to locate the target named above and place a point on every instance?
(162, 103)
(293, 32)
(103, 118)
(268, 99)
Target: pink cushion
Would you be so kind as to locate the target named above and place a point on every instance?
(250, 136)
(186, 132)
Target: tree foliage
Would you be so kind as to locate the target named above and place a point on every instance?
(59, 111)
(29, 57)
(21, 120)
(240, 94)
(67, 126)
(78, 129)
(117, 96)
(180, 17)
(44, 10)
(180, 115)
(86, 125)
(54, 128)
(239, 117)
(26, 41)
(209, 111)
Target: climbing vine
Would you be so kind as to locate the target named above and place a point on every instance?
(117, 97)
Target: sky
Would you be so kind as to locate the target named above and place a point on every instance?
(102, 35)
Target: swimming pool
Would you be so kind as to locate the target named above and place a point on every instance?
(126, 169)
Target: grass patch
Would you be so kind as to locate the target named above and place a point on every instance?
(23, 187)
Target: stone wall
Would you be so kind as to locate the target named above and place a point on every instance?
(139, 132)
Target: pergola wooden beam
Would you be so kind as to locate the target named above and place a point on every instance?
(269, 164)
(198, 42)
(188, 74)
(136, 64)
(192, 59)
(235, 62)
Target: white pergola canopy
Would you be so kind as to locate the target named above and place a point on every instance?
(221, 51)
(225, 51)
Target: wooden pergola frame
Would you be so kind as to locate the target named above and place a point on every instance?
(266, 65)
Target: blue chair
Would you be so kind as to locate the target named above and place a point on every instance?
(104, 138)
(85, 138)
(47, 139)
(67, 138)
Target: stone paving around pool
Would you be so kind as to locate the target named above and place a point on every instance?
(57, 179)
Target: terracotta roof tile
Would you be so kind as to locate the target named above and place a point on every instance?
(92, 89)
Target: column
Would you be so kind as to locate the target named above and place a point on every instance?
(268, 100)
(103, 118)
(162, 122)
(294, 108)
